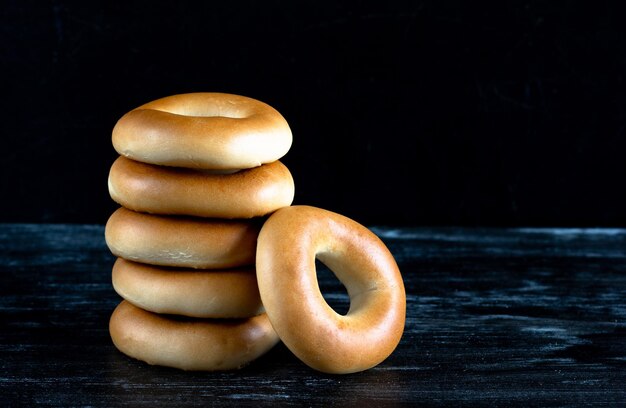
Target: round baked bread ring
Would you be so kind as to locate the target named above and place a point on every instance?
(187, 343)
(168, 190)
(231, 293)
(203, 130)
(181, 241)
(289, 242)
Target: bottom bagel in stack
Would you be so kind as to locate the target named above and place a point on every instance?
(190, 344)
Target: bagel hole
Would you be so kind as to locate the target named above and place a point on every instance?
(333, 291)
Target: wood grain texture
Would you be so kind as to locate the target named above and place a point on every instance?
(494, 317)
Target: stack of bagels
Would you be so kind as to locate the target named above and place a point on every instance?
(214, 264)
(195, 177)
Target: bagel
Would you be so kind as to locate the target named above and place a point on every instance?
(288, 244)
(203, 130)
(168, 190)
(190, 344)
(181, 241)
(229, 293)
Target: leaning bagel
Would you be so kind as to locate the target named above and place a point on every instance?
(289, 242)
(168, 190)
(181, 241)
(231, 293)
(190, 344)
(203, 130)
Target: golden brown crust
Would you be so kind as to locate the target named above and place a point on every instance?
(231, 293)
(181, 241)
(288, 244)
(190, 344)
(203, 130)
(167, 190)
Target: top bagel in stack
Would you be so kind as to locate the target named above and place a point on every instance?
(203, 131)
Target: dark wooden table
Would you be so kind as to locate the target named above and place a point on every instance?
(494, 317)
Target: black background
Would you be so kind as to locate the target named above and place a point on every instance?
(418, 113)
